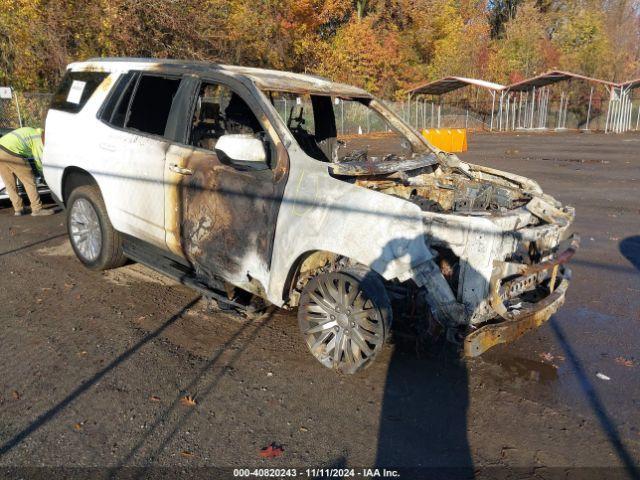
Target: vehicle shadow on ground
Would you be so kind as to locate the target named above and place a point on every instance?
(630, 249)
(81, 389)
(423, 421)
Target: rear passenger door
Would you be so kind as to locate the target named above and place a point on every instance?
(133, 148)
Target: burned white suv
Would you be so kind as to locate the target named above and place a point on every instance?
(235, 181)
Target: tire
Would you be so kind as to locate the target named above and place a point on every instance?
(345, 318)
(94, 240)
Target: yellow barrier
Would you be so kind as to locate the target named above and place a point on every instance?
(447, 139)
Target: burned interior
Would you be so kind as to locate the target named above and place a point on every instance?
(385, 159)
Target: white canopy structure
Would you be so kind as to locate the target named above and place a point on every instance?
(531, 109)
(450, 84)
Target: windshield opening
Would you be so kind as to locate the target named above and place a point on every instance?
(340, 130)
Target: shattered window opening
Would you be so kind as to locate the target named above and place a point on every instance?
(324, 128)
(220, 111)
(151, 104)
(115, 111)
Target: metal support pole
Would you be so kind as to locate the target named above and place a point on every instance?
(606, 123)
(618, 109)
(500, 112)
(638, 120)
(589, 109)
(493, 104)
(439, 111)
(506, 114)
(533, 105)
(520, 110)
(559, 119)
(546, 108)
(629, 111)
(15, 97)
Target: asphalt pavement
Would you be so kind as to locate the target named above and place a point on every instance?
(126, 368)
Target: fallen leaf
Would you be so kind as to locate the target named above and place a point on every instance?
(624, 361)
(15, 395)
(68, 285)
(547, 356)
(186, 454)
(271, 451)
(78, 426)
(153, 398)
(82, 353)
(188, 401)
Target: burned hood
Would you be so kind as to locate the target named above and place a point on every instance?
(382, 165)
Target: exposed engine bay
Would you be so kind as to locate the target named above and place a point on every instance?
(433, 190)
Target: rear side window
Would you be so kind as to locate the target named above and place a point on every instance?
(115, 110)
(151, 104)
(75, 89)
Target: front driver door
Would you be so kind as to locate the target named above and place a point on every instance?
(222, 217)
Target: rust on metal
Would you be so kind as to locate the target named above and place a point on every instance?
(491, 335)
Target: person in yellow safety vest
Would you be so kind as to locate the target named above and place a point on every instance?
(16, 147)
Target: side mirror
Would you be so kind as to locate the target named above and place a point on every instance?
(243, 150)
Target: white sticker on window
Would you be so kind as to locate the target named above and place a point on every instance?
(75, 92)
(5, 93)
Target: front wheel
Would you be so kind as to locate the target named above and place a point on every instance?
(345, 318)
(94, 240)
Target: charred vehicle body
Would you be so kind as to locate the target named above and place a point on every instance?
(234, 181)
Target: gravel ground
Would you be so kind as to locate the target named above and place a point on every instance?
(95, 367)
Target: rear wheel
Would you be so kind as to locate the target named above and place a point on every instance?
(345, 318)
(96, 244)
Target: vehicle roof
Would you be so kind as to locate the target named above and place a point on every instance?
(263, 78)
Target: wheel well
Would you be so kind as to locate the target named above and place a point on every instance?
(74, 177)
(304, 265)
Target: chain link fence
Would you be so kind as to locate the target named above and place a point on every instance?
(353, 118)
(24, 109)
(29, 108)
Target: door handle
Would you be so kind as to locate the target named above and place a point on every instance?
(179, 170)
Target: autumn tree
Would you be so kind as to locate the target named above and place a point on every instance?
(584, 45)
(523, 50)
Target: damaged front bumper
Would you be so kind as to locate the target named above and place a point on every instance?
(515, 318)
